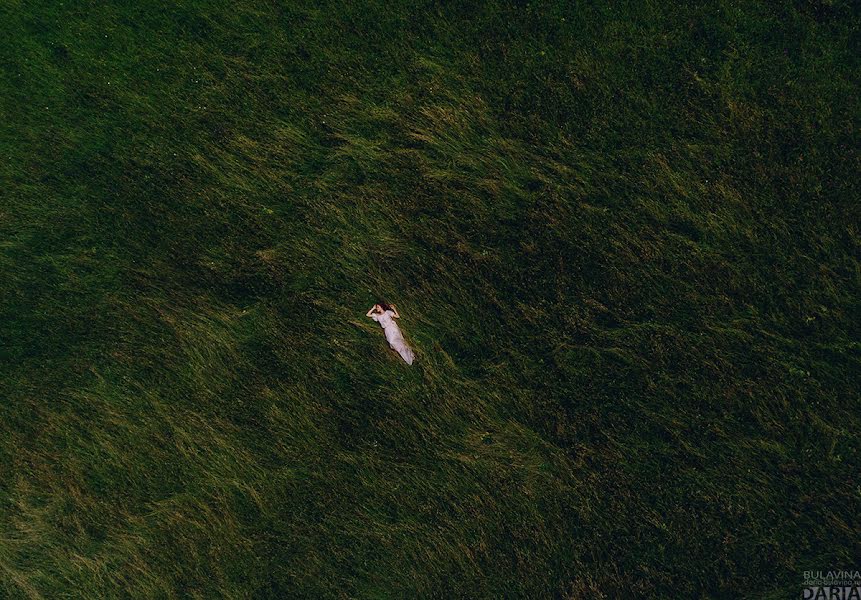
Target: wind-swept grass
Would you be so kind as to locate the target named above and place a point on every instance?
(624, 241)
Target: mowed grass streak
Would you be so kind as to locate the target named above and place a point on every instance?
(623, 240)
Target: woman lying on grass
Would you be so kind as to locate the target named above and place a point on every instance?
(385, 315)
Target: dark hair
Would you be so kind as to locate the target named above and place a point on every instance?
(385, 305)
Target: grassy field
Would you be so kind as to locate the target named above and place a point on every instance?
(625, 241)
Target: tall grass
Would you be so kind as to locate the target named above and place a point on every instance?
(624, 240)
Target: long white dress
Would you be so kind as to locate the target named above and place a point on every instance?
(394, 336)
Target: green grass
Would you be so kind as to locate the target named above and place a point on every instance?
(624, 240)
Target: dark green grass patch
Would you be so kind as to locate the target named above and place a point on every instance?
(624, 240)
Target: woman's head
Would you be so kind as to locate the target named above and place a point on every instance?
(384, 306)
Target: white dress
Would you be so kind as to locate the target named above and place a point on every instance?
(394, 336)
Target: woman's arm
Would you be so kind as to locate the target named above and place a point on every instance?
(395, 310)
(370, 312)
